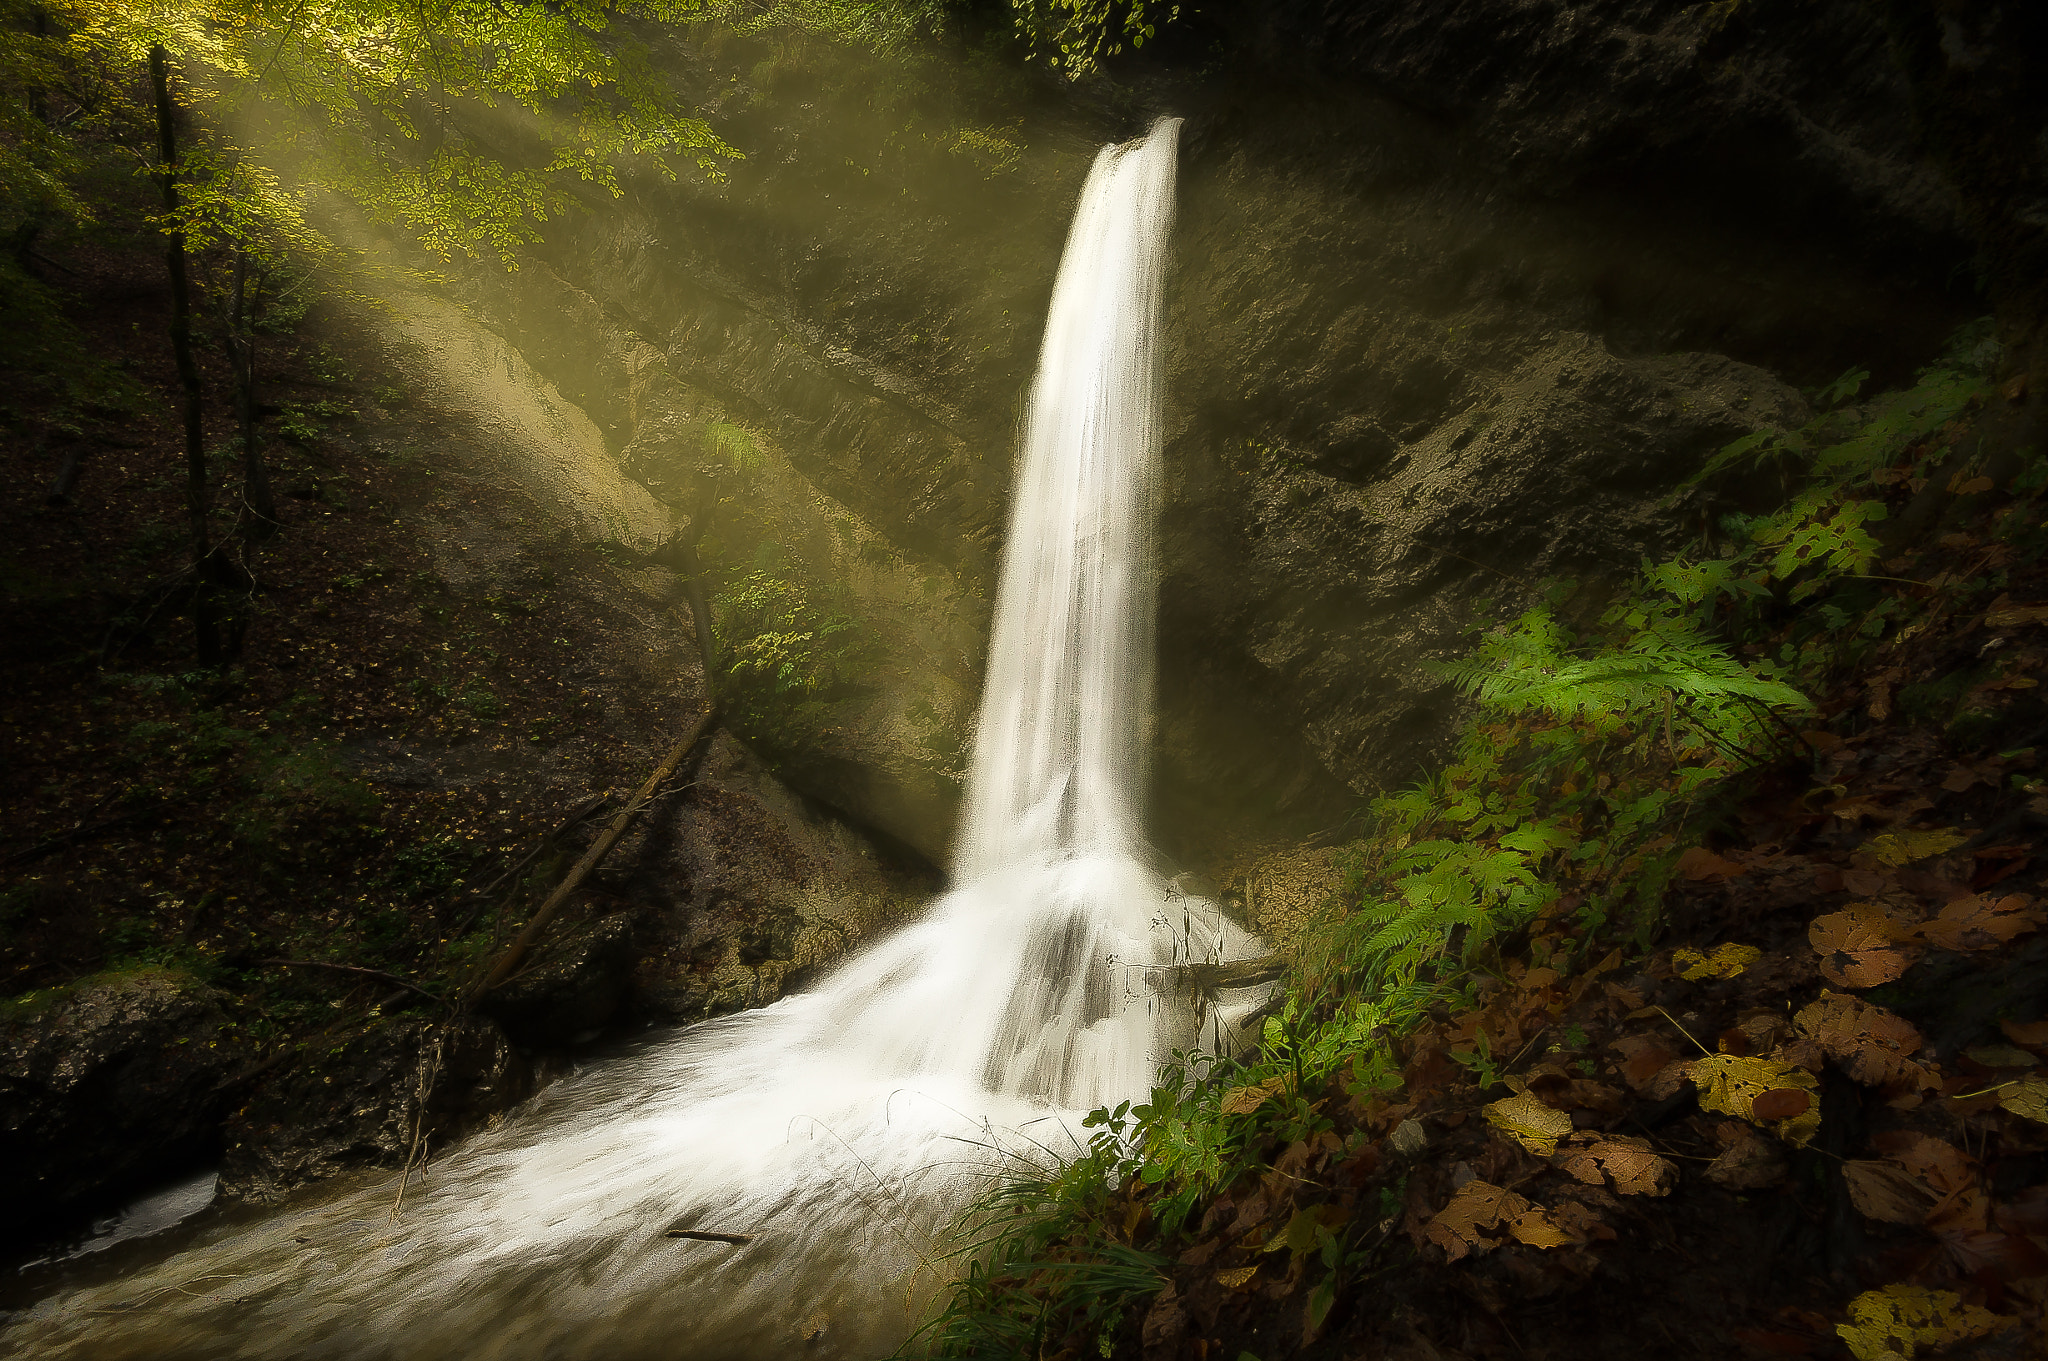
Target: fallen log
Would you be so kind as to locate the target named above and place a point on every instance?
(508, 962)
(1235, 973)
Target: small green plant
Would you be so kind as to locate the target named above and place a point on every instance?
(785, 656)
(305, 422)
(430, 868)
(480, 702)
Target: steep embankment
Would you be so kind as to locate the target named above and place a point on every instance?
(238, 905)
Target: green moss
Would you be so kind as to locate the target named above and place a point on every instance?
(27, 1008)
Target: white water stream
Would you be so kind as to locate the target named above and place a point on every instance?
(841, 1128)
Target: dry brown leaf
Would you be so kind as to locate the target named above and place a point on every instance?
(1670, 1080)
(1626, 1161)
(1584, 1094)
(2026, 1034)
(1882, 1190)
(1531, 1123)
(1245, 1100)
(1895, 1322)
(1751, 1163)
(1731, 1085)
(1726, 961)
(1460, 1227)
(1904, 848)
(1859, 946)
(1642, 1058)
(2027, 1098)
(1469, 1223)
(1959, 780)
(1700, 863)
(1940, 1164)
(1581, 1221)
(2004, 614)
(1980, 923)
(1871, 1044)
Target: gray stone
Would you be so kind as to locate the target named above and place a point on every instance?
(108, 1083)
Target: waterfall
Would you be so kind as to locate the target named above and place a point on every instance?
(837, 1130)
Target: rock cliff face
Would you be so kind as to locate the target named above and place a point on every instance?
(1464, 293)
(1736, 109)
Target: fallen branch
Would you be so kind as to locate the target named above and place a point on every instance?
(61, 839)
(357, 969)
(582, 809)
(592, 858)
(701, 1236)
(1236, 973)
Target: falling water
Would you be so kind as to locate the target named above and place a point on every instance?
(839, 1129)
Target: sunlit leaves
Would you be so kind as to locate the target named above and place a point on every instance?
(1665, 660)
(1822, 533)
(1076, 36)
(1529, 1122)
(1482, 1216)
(1834, 541)
(1900, 1320)
(1777, 1096)
(404, 107)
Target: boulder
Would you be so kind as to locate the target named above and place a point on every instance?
(109, 1083)
(574, 987)
(406, 1086)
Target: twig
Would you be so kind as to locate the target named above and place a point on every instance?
(1683, 1031)
(417, 1148)
(58, 840)
(738, 1240)
(357, 969)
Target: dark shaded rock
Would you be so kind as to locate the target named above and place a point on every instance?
(108, 1083)
(365, 1103)
(1803, 107)
(750, 891)
(573, 989)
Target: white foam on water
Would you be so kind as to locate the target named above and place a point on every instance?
(842, 1129)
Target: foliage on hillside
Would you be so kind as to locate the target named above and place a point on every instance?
(1073, 37)
(1800, 755)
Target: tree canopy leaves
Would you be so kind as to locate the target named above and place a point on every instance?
(466, 122)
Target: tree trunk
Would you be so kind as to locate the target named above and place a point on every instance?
(205, 608)
(261, 522)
